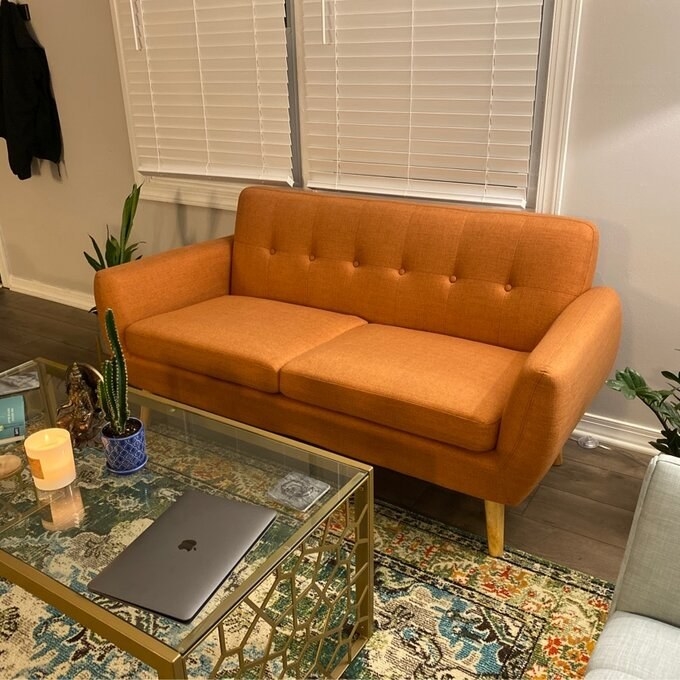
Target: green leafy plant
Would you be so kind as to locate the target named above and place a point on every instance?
(665, 404)
(118, 250)
(113, 388)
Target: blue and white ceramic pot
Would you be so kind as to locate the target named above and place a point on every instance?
(125, 454)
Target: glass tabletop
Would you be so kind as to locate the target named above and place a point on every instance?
(73, 533)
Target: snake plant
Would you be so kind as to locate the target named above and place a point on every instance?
(117, 250)
(113, 389)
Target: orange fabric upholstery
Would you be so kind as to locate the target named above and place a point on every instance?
(450, 466)
(239, 339)
(457, 345)
(432, 385)
(164, 282)
(500, 278)
(559, 380)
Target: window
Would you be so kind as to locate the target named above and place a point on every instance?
(207, 87)
(431, 98)
(421, 97)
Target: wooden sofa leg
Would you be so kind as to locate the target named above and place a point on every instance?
(559, 459)
(495, 527)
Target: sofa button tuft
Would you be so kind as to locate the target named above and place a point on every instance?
(272, 251)
(402, 271)
(312, 258)
(452, 279)
(356, 263)
(508, 287)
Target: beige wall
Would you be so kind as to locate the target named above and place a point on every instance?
(622, 170)
(45, 220)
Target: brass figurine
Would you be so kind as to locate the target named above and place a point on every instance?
(81, 414)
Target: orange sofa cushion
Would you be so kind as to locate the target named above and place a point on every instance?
(433, 385)
(239, 339)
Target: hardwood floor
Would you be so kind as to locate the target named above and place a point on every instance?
(33, 327)
(579, 515)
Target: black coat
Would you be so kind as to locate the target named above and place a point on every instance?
(29, 121)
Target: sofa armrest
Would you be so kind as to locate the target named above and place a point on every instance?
(164, 282)
(559, 379)
(649, 579)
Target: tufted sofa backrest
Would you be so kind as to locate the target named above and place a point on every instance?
(498, 277)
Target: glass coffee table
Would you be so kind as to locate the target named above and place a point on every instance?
(299, 603)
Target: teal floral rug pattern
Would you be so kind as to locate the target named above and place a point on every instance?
(443, 609)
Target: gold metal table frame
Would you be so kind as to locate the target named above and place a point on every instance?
(321, 579)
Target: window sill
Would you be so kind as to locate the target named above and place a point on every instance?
(203, 193)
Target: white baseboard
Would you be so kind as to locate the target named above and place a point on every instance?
(4, 265)
(618, 433)
(53, 293)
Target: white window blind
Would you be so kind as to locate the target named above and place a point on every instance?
(207, 87)
(431, 98)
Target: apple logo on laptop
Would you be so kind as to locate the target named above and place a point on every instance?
(187, 544)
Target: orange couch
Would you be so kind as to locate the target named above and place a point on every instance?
(460, 346)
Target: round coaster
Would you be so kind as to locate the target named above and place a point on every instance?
(9, 465)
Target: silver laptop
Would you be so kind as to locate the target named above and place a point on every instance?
(175, 565)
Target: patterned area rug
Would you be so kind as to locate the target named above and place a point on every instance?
(443, 609)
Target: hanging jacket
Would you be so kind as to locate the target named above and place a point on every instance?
(29, 121)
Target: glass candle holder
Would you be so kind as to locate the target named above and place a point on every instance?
(65, 510)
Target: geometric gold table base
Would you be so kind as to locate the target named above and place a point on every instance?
(314, 611)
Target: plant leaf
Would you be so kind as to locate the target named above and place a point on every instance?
(671, 376)
(112, 251)
(665, 404)
(92, 262)
(129, 211)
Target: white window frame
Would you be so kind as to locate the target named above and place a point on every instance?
(558, 98)
(554, 142)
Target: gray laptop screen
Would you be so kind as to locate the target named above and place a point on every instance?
(175, 565)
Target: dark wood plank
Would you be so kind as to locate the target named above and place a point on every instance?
(9, 357)
(28, 304)
(33, 327)
(626, 462)
(596, 483)
(563, 547)
(20, 326)
(580, 515)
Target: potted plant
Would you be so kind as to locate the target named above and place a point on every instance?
(118, 250)
(122, 435)
(665, 404)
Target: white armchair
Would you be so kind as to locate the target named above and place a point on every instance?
(641, 638)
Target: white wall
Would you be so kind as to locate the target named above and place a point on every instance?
(45, 220)
(623, 170)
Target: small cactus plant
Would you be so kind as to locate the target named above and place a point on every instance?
(113, 389)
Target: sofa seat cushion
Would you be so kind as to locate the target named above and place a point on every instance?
(633, 646)
(436, 386)
(242, 340)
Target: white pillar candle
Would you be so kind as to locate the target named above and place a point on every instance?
(50, 457)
